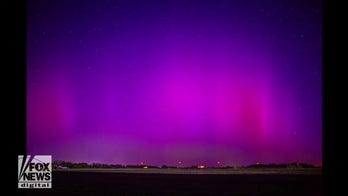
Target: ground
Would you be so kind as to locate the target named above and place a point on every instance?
(139, 181)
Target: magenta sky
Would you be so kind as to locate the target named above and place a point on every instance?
(168, 81)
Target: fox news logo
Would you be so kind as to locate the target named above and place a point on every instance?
(35, 171)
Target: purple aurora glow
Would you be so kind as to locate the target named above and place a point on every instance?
(168, 81)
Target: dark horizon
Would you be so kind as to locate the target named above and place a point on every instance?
(182, 165)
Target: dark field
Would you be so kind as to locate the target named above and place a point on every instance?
(186, 182)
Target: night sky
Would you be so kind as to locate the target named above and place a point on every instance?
(235, 81)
